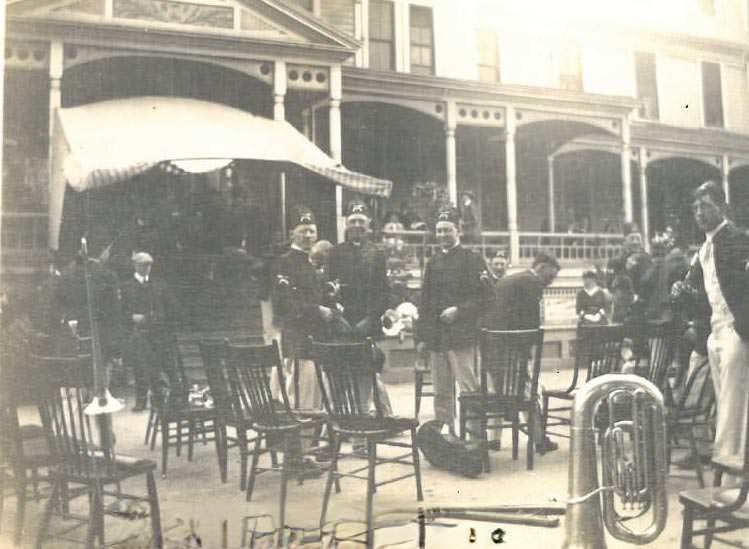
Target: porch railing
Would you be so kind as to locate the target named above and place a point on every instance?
(571, 247)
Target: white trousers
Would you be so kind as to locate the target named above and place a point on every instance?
(729, 365)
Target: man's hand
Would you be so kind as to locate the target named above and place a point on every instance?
(325, 313)
(421, 348)
(362, 327)
(678, 289)
(449, 315)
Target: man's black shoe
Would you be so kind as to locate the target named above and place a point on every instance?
(306, 469)
(546, 445)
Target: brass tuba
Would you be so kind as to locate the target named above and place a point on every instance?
(629, 414)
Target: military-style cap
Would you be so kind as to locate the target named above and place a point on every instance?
(142, 257)
(357, 207)
(450, 214)
(302, 215)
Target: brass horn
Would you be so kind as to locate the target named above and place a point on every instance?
(632, 462)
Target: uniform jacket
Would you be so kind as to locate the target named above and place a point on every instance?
(151, 299)
(296, 303)
(364, 286)
(518, 303)
(731, 253)
(453, 278)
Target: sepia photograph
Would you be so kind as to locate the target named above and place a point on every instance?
(374, 273)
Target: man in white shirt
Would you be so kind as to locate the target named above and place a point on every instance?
(720, 275)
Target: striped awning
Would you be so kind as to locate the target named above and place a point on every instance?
(103, 143)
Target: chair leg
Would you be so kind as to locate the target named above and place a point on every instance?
(545, 414)
(686, 530)
(483, 425)
(462, 421)
(164, 445)
(372, 457)
(92, 520)
(697, 462)
(530, 448)
(253, 467)
(149, 426)
(282, 503)
(155, 429)
(332, 475)
(20, 504)
(243, 455)
(219, 436)
(418, 385)
(334, 448)
(47, 515)
(179, 437)
(515, 435)
(153, 502)
(190, 438)
(709, 533)
(417, 465)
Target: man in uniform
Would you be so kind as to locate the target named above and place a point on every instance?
(359, 267)
(454, 296)
(146, 311)
(297, 305)
(719, 278)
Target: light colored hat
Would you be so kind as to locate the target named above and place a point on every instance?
(142, 257)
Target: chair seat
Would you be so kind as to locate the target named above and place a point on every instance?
(733, 464)
(32, 431)
(371, 426)
(714, 498)
(281, 421)
(124, 467)
(561, 393)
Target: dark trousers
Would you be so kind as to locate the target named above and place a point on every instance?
(149, 354)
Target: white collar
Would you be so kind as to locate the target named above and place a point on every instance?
(140, 278)
(446, 250)
(711, 235)
(591, 291)
(298, 248)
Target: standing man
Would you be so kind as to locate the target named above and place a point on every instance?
(719, 275)
(360, 269)
(146, 311)
(453, 298)
(518, 307)
(297, 304)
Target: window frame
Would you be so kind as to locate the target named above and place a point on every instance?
(721, 122)
(430, 46)
(481, 65)
(378, 40)
(642, 112)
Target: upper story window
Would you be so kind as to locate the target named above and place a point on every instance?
(712, 94)
(381, 35)
(707, 7)
(570, 68)
(422, 40)
(488, 56)
(647, 84)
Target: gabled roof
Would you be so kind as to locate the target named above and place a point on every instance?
(271, 20)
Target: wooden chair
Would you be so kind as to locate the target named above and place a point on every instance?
(694, 409)
(174, 416)
(249, 369)
(598, 351)
(662, 339)
(23, 449)
(64, 386)
(347, 375)
(513, 360)
(214, 361)
(723, 508)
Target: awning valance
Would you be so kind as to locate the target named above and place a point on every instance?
(103, 143)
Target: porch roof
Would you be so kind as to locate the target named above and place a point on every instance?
(433, 88)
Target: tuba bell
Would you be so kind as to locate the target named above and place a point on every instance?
(627, 412)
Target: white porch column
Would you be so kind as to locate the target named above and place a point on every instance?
(336, 151)
(361, 32)
(626, 172)
(552, 214)
(644, 198)
(279, 90)
(512, 191)
(55, 102)
(725, 172)
(451, 123)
